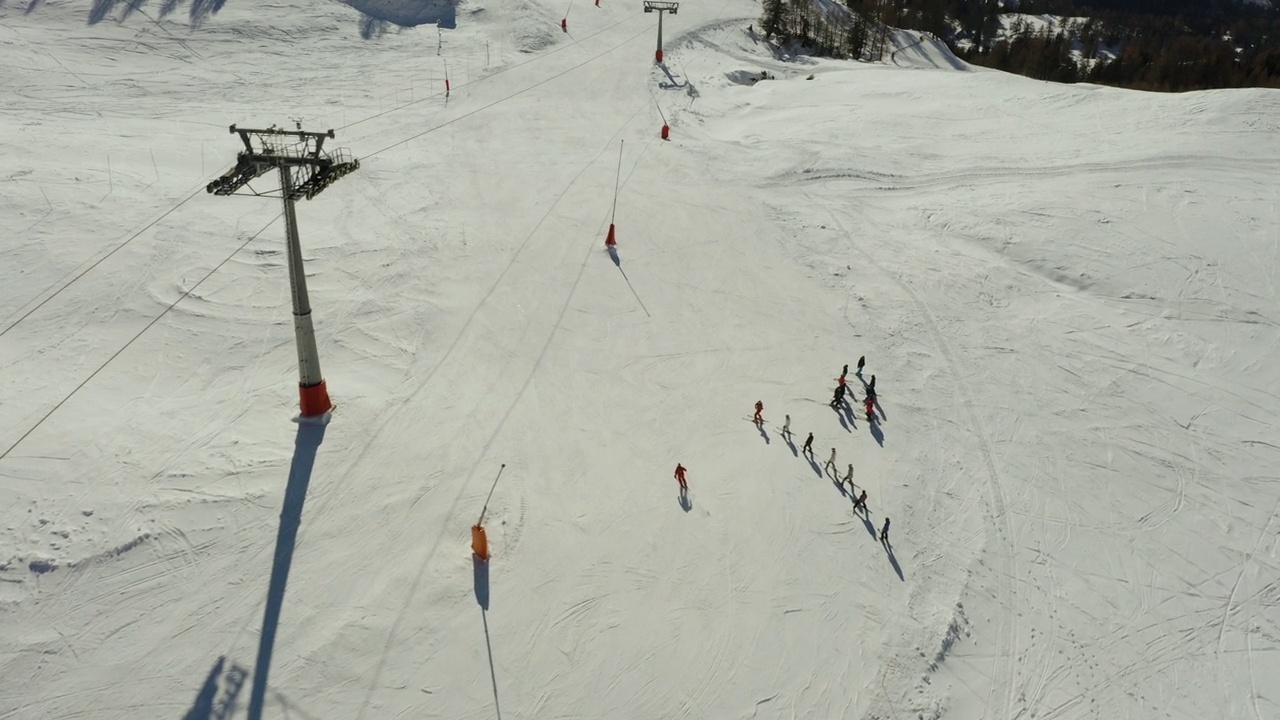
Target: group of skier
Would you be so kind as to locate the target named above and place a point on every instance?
(869, 401)
(859, 502)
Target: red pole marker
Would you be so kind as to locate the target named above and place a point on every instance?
(564, 24)
(666, 132)
(612, 238)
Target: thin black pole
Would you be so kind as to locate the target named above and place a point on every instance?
(485, 509)
(616, 183)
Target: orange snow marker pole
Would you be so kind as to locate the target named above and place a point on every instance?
(479, 540)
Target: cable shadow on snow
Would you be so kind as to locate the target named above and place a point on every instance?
(310, 435)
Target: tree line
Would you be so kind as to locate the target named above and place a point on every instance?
(1168, 45)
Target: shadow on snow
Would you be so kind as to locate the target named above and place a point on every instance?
(310, 435)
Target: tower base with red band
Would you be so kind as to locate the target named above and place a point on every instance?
(315, 399)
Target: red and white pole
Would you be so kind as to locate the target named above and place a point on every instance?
(314, 396)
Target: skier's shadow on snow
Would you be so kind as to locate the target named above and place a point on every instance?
(763, 433)
(841, 411)
(877, 434)
(839, 486)
(888, 549)
(817, 469)
(866, 522)
(685, 503)
(306, 445)
(791, 444)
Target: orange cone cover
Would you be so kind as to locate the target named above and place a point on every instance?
(479, 542)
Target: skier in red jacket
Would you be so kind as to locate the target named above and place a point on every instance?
(679, 476)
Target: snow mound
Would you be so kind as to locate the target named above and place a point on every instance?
(921, 50)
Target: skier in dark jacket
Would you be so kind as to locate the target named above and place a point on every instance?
(884, 532)
(839, 396)
(862, 361)
(808, 444)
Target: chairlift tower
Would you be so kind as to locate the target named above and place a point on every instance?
(306, 169)
(662, 7)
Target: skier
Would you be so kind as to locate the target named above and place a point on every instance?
(862, 360)
(845, 371)
(831, 464)
(808, 444)
(870, 404)
(759, 409)
(848, 477)
(861, 502)
(872, 385)
(679, 476)
(786, 426)
(839, 396)
(884, 532)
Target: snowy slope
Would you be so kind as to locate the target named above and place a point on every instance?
(1067, 295)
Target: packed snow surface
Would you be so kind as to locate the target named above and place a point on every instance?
(1067, 295)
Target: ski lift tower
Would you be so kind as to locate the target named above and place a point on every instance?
(661, 7)
(306, 169)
